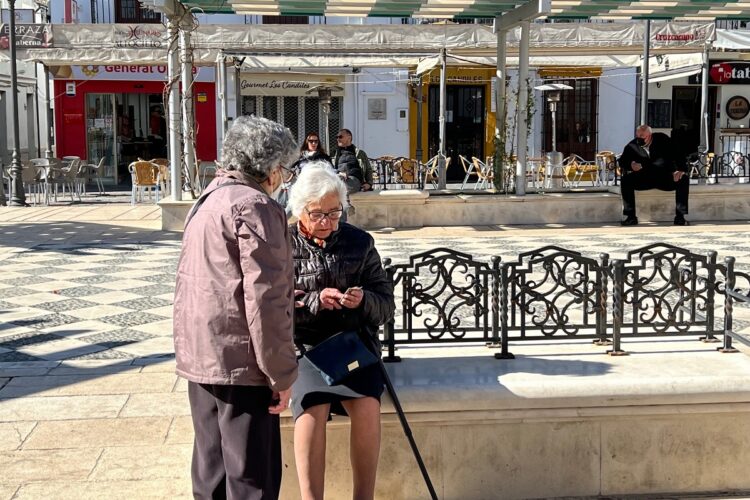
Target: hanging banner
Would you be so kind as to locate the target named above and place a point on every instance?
(726, 73)
(126, 72)
(682, 34)
(28, 36)
(286, 84)
(140, 36)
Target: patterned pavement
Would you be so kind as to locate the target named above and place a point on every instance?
(105, 292)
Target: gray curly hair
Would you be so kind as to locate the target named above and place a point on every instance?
(255, 146)
(316, 180)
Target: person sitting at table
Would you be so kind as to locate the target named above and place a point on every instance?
(647, 162)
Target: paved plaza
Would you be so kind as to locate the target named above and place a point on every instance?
(90, 406)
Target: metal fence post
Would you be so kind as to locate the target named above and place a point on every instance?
(504, 290)
(495, 277)
(728, 307)
(390, 341)
(618, 300)
(601, 313)
(710, 298)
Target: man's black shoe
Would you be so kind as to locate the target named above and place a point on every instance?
(630, 221)
(680, 221)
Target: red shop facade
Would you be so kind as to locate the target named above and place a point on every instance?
(117, 113)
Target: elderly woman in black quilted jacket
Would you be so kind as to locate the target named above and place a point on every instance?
(342, 286)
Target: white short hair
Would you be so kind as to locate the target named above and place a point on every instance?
(316, 180)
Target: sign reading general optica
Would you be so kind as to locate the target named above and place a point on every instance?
(27, 36)
(726, 73)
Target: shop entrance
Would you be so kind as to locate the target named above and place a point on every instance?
(122, 128)
(686, 119)
(575, 119)
(464, 125)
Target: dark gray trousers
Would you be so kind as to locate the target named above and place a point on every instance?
(237, 448)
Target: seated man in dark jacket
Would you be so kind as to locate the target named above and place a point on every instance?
(647, 162)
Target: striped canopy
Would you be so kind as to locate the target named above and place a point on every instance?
(689, 10)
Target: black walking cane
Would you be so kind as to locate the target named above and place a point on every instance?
(407, 429)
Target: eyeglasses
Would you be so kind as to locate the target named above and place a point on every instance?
(339, 137)
(287, 174)
(331, 215)
(313, 141)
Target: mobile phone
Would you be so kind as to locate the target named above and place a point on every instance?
(341, 300)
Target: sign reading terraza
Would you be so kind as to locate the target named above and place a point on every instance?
(27, 36)
(285, 84)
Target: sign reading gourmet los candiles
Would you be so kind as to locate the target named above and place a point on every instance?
(285, 84)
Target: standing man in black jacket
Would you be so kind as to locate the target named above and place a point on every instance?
(648, 162)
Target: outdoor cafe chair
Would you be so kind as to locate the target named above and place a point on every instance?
(431, 173)
(145, 177)
(485, 176)
(163, 164)
(98, 171)
(407, 171)
(32, 182)
(469, 170)
(576, 170)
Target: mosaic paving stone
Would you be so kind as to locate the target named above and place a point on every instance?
(82, 291)
(152, 290)
(94, 280)
(31, 280)
(121, 337)
(106, 354)
(46, 271)
(25, 339)
(65, 305)
(15, 291)
(46, 321)
(143, 303)
(161, 278)
(131, 319)
(6, 306)
(14, 356)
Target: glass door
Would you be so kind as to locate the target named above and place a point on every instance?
(100, 134)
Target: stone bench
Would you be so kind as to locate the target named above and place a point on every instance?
(560, 420)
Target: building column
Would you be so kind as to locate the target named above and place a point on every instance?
(522, 109)
(704, 142)
(500, 104)
(221, 75)
(188, 117)
(441, 149)
(17, 195)
(173, 121)
(645, 72)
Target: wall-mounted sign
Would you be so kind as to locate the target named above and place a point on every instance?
(70, 89)
(376, 108)
(286, 84)
(149, 36)
(726, 73)
(202, 97)
(738, 107)
(126, 72)
(27, 36)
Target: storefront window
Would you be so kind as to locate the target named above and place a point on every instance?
(100, 132)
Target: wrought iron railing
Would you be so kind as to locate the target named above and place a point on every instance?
(709, 167)
(553, 293)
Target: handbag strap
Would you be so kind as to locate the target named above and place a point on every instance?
(203, 197)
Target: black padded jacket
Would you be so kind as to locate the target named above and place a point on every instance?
(349, 259)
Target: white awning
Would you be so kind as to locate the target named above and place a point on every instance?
(361, 45)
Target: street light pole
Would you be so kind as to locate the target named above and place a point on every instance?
(17, 196)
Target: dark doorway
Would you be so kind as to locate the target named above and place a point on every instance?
(686, 119)
(464, 125)
(575, 118)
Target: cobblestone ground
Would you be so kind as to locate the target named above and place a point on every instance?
(90, 406)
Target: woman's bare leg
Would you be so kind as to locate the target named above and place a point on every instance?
(364, 444)
(310, 451)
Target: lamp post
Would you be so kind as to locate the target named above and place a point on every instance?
(17, 196)
(554, 158)
(325, 94)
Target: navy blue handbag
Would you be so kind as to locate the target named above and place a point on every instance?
(340, 355)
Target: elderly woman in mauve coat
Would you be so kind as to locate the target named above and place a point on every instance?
(344, 287)
(233, 306)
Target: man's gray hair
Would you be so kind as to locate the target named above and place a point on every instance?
(256, 146)
(643, 128)
(316, 180)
